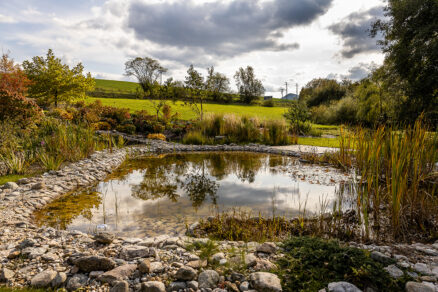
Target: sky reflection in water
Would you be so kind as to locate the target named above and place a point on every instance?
(161, 194)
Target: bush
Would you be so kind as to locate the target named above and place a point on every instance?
(104, 126)
(298, 116)
(157, 137)
(127, 128)
(268, 103)
(275, 133)
(311, 263)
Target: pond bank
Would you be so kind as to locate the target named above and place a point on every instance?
(45, 257)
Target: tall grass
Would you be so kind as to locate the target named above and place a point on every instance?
(395, 172)
(238, 129)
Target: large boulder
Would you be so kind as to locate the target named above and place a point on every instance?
(265, 282)
(95, 263)
(208, 279)
(43, 279)
(120, 286)
(59, 280)
(144, 266)
(185, 274)
(153, 286)
(118, 274)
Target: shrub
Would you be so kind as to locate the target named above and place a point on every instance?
(15, 163)
(268, 103)
(298, 116)
(309, 264)
(104, 126)
(127, 128)
(143, 122)
(157, 137)
(62, 114)
(50, 162)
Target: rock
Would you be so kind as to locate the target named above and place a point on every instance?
(231, 287)
(59, 280)
(76, 282)
(217, 257)
(144, 266)
(156, 267)
(39, 186)
(244, 286)
(185, 274)
(118, 274)
(264, 265)
(208, 279)
(191, 230)
(265, 282)
(342, 287)
(250, 260)
(134, 251)
(95, 274)
(95, 263)
(422, 269)
(104, 237)
(6, 274)
(120, 286)
(192, 285)
(176, 286)
(197, 264)
(394, 271)
(418, 287)
(153, 286)
(382, 258)
(237, 277)
(267, 247)
(28, 242)
(50, 257)
(43, 279)
(10, 186)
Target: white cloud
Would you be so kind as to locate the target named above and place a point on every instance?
(7, 19)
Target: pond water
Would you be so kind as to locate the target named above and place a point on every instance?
(163, 194)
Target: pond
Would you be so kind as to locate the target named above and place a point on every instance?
(162, 194)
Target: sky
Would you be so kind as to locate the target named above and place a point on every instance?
(290, 41)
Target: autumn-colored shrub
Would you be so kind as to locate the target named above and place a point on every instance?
(157, 137)
(13, 88)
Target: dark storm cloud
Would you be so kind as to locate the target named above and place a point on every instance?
(354, 31)
(359, 72)
(223, 29)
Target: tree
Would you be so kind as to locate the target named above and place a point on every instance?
(147, 71)
(54, 82)
(248, 86)
(322, 91)
(411, 46)
(298, 115)
(196, 91)
(14, 106)
(217, 84)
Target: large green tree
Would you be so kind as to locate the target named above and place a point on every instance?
(217, 84)
(54, 81)
(410, 41)
(248, 85)
(322, 91)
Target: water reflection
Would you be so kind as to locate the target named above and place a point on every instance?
(161, 194)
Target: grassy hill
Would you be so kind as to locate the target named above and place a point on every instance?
(116, 86)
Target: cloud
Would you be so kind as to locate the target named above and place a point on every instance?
(355, 73)
(7, 19)
(223, 28)
(354, 32)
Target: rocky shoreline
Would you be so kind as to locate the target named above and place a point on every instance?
(45, 257)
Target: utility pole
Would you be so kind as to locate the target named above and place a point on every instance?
(297, 88)
(281, 90)
(286, 86)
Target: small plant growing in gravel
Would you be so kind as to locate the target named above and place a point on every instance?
(311, 263)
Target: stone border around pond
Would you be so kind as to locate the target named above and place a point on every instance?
(45, 257)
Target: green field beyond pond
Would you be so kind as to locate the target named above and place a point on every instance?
(185, 112)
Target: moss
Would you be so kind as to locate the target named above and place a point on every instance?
(311, 263)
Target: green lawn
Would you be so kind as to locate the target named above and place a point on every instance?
(185, 112)
(320, 142)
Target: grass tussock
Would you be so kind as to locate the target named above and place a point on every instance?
(238, 129)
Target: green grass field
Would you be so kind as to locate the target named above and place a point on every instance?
(116, 86)
(10, 178)
(185, 112)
